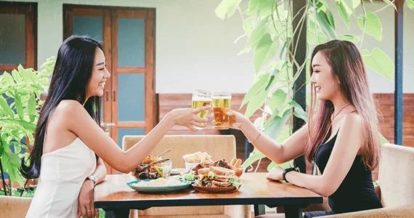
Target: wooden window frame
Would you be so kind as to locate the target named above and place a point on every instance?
(30, 12)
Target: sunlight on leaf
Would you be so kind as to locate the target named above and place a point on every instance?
(380, 62)
(344, 11)
(254, 156)
(227, 8)
(371, 25)
(410, 4)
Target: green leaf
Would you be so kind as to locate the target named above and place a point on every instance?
(371, 25)
(344, 11)
(410, 4)
(262, 8)
(284, 165)
(380, 62)
(257, 34)
(355, 3)
(226, 8)
(254, 156)
(265, 50)
(31, 108)
(325, 24)
(298, 111)
(5, 107)
(275, 125)
(255, 103)
(19, 106)
(278, 98)
(260, 84)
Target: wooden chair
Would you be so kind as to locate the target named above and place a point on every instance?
(14, 207)
(218, 146)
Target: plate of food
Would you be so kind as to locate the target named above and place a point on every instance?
(216, 179)
(160, 185)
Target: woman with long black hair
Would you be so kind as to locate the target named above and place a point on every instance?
(69, 144)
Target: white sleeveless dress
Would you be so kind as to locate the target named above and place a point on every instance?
(62, 174)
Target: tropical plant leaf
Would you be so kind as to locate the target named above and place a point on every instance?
(410, 4)
(371, 25)
(278, 98)
(264, 51)
(276, 123)
(380, 62)
(298, 111)
(344, 11)
(5, 107)
(31, 108)
(19, 105)
(255, 103)
(254, 156)
(262, 8)
(257, 34)
(260, 83)
(324, 23)
(226, 8)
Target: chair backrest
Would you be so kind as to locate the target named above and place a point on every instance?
(14, 207)
(396, 175)
(218, 146)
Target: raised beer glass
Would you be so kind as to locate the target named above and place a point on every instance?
(221, 107)
(201, 98)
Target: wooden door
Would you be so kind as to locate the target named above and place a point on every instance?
(127, 35)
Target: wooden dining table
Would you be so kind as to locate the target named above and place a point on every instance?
(117, 198)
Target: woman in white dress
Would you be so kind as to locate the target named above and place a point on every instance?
(69, 144)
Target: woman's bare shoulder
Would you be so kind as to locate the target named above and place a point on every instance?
(67, 110)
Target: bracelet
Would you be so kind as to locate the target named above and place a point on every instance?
(255, 139)
(93, 179)
(285, 171)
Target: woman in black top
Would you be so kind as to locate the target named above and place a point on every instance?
(341, 134)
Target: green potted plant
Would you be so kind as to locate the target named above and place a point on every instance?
(20, 94)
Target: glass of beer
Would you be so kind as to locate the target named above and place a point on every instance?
(221, 107)
(201, 98)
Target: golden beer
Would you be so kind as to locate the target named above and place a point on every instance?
(197, 103)
(200, 99)
(221, 107)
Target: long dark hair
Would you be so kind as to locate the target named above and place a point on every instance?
(347, 65)
(71, 75)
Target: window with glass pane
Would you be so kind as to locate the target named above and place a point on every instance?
(131, 97)
(131, 42)
(12, 35)
(88, 25)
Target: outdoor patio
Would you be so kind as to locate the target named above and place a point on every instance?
(159, 52)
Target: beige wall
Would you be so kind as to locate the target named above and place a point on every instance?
(195, 49)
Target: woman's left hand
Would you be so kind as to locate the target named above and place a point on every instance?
(275, 174)
(86, 200)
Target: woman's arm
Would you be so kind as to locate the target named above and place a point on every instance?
(86, 195)
(293, 147)
(77, 120)
(348, 142)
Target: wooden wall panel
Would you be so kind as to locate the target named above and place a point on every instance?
(385, 107)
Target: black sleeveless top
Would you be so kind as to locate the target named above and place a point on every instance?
(356, 191)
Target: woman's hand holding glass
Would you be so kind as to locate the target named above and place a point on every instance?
(188, 117)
